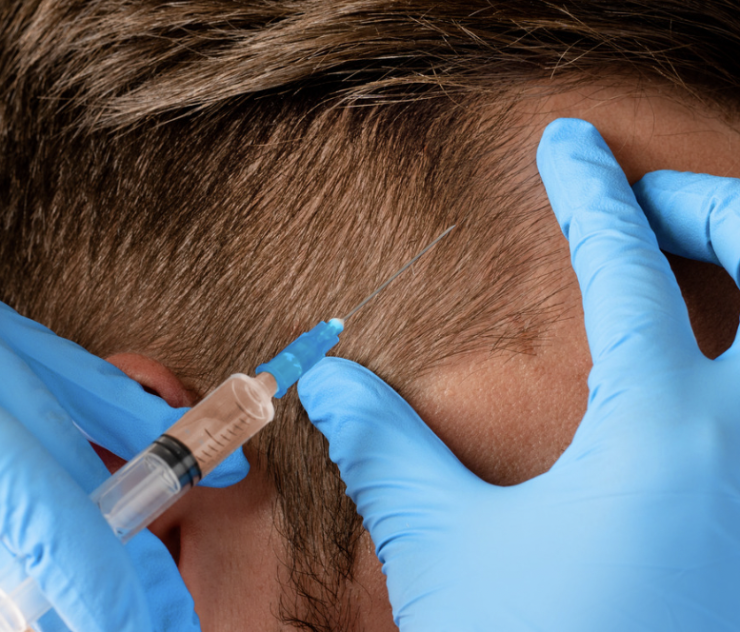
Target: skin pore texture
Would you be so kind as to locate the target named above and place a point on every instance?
(508, 417)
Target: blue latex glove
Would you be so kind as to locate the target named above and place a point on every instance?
(48, 469)
(694, 215)
(112, 409)
(636, 527)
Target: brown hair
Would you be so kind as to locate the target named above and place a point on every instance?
(202, 181)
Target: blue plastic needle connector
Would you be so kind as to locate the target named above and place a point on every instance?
(299, 356)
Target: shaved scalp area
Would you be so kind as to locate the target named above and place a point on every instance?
(203, 181)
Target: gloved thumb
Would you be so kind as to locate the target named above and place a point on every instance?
(397, 471)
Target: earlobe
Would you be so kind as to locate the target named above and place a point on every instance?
(154, 377)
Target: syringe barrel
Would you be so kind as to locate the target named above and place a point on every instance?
(146, 486)
(226, 419)
(152, 481)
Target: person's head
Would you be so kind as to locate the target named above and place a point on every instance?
(199, 183)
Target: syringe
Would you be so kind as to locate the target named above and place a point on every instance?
(157, 477)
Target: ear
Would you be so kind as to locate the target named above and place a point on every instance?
(158, 380)
(154, 377)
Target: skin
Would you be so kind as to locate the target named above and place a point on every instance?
(507, 417)
(518, 429)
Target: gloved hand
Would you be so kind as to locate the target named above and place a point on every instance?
(637, 525)
(48, 469)
(694, 215)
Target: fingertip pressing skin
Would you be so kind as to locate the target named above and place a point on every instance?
(560, 140)
(682, 233)
(330, 380)
(578, 170)
(346, 402)
(376, 438)
(632, 303)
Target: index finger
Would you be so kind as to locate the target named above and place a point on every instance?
(112, 410)
(634, 313)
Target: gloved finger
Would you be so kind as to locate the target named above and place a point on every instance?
(170, 604)
(70, 550)
(31, 403)
(397, 471)
(694, 215)
(111, 409)
(634, 313)
(171, 607)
